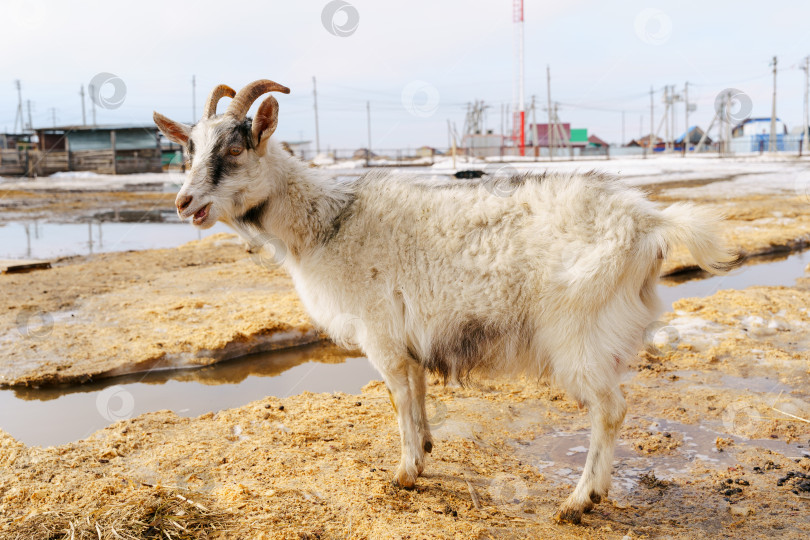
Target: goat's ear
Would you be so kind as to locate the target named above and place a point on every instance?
(265, 123)
(175, 131)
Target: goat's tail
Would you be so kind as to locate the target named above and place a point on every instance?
(699, 229)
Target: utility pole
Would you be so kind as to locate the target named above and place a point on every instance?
(517, 17)
(549, 127)
(19, 118)
(30, 125)
(673, 98)
(368, 117)
(652, 123)
(686, 120)
(721, 121)
(561, 132)
(534, 129)
(193, 98)
(772, 138)
(623, 139)
(666, 118)
(806, 128)
(727, 138)
(502, 131)
(84, 114)
(92, 89)
(317, 132)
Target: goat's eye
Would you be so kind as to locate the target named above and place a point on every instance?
(235, 150)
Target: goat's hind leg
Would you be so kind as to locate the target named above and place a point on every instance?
(607, 409)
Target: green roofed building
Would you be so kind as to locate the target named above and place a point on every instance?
(579, 137)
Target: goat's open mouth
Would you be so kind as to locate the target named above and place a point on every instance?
(202, 214)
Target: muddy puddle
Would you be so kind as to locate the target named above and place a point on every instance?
(560, 456)
(781, 269)
(113, 231)
(58, 415)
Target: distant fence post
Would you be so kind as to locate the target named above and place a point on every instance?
(112, 144)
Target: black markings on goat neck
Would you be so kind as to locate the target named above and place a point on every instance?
(190, 147)
(255, 215)
(340, 219)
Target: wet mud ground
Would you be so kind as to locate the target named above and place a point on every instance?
(716, 443)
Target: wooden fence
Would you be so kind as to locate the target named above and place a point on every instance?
(12, 163)
(45, 163)
(38, 163)
(100, 161)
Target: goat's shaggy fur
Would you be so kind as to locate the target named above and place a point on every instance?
(556, 279)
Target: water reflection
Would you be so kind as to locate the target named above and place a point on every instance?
(779, 269)
(57, 415)
(116, 231)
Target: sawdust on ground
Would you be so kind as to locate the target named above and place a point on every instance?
(735, 376)
(114, 313)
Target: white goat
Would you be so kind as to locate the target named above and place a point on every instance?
(558, 278)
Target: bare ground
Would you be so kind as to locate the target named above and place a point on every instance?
(718, 417)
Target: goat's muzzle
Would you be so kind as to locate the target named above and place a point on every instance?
(182, 202)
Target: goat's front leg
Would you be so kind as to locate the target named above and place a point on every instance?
(416, 378)
(406, 385)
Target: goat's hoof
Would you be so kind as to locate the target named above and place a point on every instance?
(569, 515)
(397, 483)
(595, 497)
(428, 447)
(404, 480)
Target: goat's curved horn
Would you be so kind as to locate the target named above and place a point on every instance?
(223, 90)
(250, 93)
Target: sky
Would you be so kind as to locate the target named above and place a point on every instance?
(417, 63)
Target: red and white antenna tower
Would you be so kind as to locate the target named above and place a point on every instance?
(520, 110)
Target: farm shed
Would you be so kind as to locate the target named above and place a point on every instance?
(111, 149)
(13, 148)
